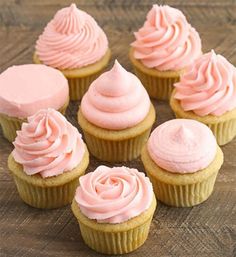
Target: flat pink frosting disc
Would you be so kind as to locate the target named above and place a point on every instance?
(25, 89)
(182, 146)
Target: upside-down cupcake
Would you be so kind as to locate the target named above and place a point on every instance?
(164, 47)
(74, 43)
(114, 208)
(182, 160)
(24, 90)
(207, 93)
(48, 159)
(116, 115)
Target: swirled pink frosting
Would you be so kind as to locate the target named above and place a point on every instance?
(116, 100)
(208, 86)
(114, 195)
(48, 144)
(72, 39)
(182, 146)
(166, 41)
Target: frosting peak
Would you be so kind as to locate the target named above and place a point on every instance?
(183, 135)
(48, 144)
(120, 81)
(71, 40)
(182, 146)
(208, 86)
(114, 195)
(116, 100)
(166, 41)
(69, 20)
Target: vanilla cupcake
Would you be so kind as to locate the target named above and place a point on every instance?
(163, 48)
(74, 43)
(24, 90)
(182, 160)
(48, 159)
(116, 116)
(207, 93)
(114, 208)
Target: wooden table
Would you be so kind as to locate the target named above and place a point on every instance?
(205, 230)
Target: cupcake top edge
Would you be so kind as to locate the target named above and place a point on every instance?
(114, 195)
(166, 41)
(25, 89)
(48, 144)
(208, 86)
(71, 40)
(116, 100)
(182, 146)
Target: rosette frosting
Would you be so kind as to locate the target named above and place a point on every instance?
(48, 144)
(116, 100)
(72, 39)
(182, 146)
(166, 41)
(208, 86)
(114, 195)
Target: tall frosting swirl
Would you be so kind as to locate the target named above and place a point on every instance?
(182, 146)
(116, 100)
(72, 39)
(114, 195)
(166, 41)
(48, 144)
(208, 86)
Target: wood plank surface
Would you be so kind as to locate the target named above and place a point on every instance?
(207, 230)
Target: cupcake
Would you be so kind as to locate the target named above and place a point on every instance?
(207, 93)
(182, 160)
(116, 116)
(114, 208)
(24, 90)
(163, 48)
(48, 158)
(74, 43)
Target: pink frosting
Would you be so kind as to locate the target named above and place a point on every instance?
(182, 146)
(25, 89)
(72, 39)
(48, 144)
(208, 86)
(166, 41)
(114, 195)
(116, 100)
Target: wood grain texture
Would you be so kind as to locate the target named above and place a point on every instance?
(207, 230)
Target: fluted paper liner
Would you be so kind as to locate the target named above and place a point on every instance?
(11, 124)
(182, 190)
(48, 193)
(80, 79)
(159, 84)
(117, 146)
(115, 238)
(223, 127)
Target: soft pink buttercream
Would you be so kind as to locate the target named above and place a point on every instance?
(208, 86)
(48, 144)
(114, 195)
(116, 100)
(25, 89)
(166, 41)
(182, 146)
(72, 39)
